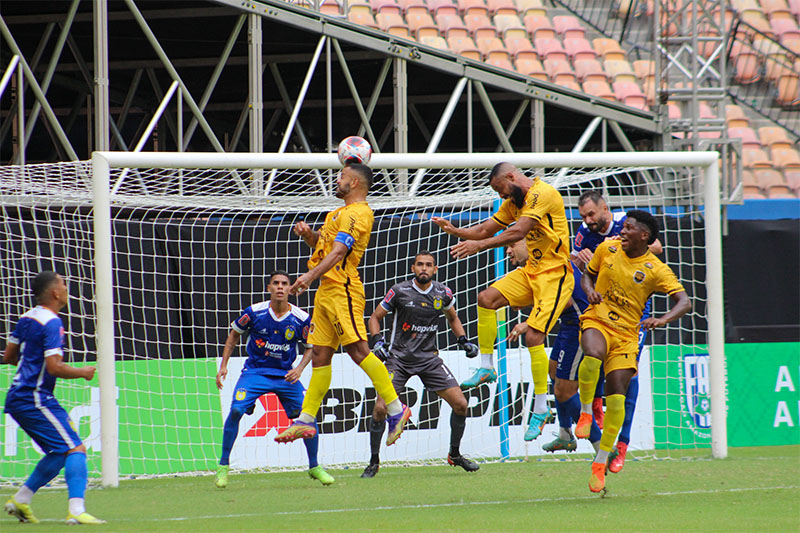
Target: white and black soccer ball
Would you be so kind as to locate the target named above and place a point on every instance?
(354, 149)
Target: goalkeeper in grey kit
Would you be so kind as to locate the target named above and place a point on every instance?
(411, 350)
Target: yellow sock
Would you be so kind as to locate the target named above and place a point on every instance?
(615, 416)
(317, 387)
(380, 377)
(487, 329)
(539, 364)
(588, 374)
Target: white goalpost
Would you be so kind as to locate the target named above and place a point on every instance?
(166, 248)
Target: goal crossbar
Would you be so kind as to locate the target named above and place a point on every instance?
(102, 162)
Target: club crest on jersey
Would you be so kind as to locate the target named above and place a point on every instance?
(537, 254)
(244, 320)
(389, 296)
(306, 331)
(638, 276)
(241, 394)
(613, 316)
(437, 303)
(289, 333)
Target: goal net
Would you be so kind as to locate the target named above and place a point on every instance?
(162, 251)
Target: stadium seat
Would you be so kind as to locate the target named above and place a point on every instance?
(772, 183)
(466, 5)
(464, 46)
(785, 158)
(745, 63)
(559, 70)
(486, 44)
(774, 137)
(747, 135)
(550, 49)
(644, 68)
(792, 177)
(519, 46)
(539, 26)
(568, 84)
(788, 88)
(451, 25)
(590, 70)
(794, 7)
(415, 8)
(405, 4)
(751, 190)
(619, 70)
(758, 21)
(776, 10)
(569, 27)
(435, 42)
(363, 18)
(510, 25)
(439, 6)
(674, 111)
(531, 7)
(608, 49)
(392, 23)
(630, 94)
(755, 158)
(530, 66)
(600, 89)
(502, 7)
(421, 24)
(792, 44)
(359, 6)
(477, 19)
(330, 7)
(579, 48)
(385, 6)
(785, 28)
(499, 60)
(735, 117)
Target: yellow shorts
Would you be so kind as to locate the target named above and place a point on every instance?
(548, 291)
(338, 316)
(621, 351)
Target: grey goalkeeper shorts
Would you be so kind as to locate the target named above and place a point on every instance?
(431, 370)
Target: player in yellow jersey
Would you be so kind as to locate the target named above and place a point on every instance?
(338, 316)
(533, 210)
(618, 281)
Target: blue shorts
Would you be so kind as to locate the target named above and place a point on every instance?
(567, 348)
(48, 425)
(250, 387)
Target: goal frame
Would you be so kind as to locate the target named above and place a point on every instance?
(102, 162)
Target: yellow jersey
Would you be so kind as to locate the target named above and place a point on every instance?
(548, 241)
(626, 284)
(351, 225)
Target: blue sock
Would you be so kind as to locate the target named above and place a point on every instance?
(76, 474)
(564, 420)
(630, 407)
(312, 445)
(595, 433)
(573, 407)
(48, 467)
(229, 434)
(598, 391)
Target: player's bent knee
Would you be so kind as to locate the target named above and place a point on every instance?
(237, 412)
(533, 337)
(565, 389)
(491, 298)
(77, 449)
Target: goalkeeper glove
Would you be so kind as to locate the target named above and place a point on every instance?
(470, 349)
(378, 347)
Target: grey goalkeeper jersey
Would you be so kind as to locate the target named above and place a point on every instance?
(416, 318)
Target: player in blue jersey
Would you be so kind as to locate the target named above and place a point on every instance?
(599, 224)
(36, 348)
(276, 329)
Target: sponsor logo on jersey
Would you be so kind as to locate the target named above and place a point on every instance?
(275, 347)
(289, 333)
(612, 249)
(437, 303)
(648, 265)
(537, 254)
(534, 199)
(613, 316)
(241, 394)
(424, 329)
(260, 342)
(406, 326)
(638, 276)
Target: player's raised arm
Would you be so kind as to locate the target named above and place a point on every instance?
(304, 231)
(482, 230)
(337, 253)
(680, 306)
(230, 343)
(510, 235)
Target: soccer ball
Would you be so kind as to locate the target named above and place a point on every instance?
(354, 149)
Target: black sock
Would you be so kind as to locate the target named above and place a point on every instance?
(457, 425)
(376, 428)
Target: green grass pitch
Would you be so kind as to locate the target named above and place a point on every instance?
(754, 489)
